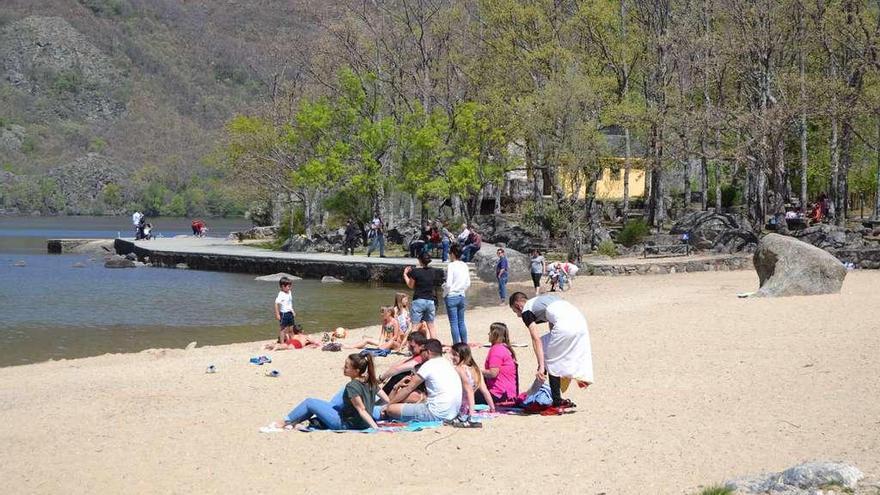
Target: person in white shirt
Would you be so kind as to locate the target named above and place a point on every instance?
(458, 279)
(136, 221)
(443, 385)
(464, 236)
(284, 308)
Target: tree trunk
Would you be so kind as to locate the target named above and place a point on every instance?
(835, 167)
(803, 123)
(627, 164)
(845, 162)
(877, 194)
(498, 190)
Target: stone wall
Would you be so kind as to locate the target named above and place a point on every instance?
(721, 264)
(865, 258)
(350, 271)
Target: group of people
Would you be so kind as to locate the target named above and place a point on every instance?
(426, 386)
(142, 229)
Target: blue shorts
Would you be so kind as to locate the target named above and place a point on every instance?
(417, 412)
(423, 310)
(286, 320)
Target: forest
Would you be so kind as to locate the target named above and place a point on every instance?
(408, 107)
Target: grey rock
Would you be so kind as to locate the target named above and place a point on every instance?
(118, 262)
(190, 346)
(182, 266)
(256, 233)
(326, 279)
(789, 267)
(804, 479)
(831, 237)
(720, 232)
(486, 258)
(78, 264)
(20, 264)
(131, 256)
(507, 230)
(276, 277)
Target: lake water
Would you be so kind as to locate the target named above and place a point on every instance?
(50, 310)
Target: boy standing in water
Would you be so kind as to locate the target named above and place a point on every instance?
(284, 307)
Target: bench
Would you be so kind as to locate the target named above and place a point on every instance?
(660, 250)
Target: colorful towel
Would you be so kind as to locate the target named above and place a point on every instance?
(384, 427)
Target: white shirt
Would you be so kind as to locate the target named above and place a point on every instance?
(464, 235)
(458, 278)
(444, 387)
(284, 302)
(136, 218)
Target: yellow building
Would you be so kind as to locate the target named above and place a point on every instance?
(609, 187)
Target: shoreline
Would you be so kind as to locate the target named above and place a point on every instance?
(693, 387)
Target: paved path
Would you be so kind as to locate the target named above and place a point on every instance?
(225, 247)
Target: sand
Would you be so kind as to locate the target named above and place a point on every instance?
(693, 386)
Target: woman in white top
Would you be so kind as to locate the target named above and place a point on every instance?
(458, 279)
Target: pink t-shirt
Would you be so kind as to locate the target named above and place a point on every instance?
(505, 383)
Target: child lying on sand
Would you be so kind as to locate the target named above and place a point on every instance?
(294, 338)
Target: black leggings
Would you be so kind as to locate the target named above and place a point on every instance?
(555, 389)
(480, 399)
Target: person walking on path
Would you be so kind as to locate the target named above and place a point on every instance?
(563, 354)
(351, 237)
(458, 279)
(538, 268)
(424, 302)
(377, 235)
(136, 221)
(502, 274)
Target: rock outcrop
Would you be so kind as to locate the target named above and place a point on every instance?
(831, 237)
(275, 277)
(81, 183)
(789, 267)
(486, 258)
(804, 479)
(118, 262)
(502, 229)
(254, 233)
(720, 232)
(49, 58)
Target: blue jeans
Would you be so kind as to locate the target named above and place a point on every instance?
(468, 252)
(378, 241)
(423, 310)
(337, 404)
(455, 310)
(324, 411)
(445, 246)
(417, 412)
(502, 288)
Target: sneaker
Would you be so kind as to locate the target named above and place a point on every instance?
(273, 374)
(211, 369)
(271, 428)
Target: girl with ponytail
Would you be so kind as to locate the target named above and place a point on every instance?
(358, 399)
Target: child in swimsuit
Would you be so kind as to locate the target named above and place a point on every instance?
(471, 378)
(390, 336)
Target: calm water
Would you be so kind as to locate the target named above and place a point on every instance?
(50, 309)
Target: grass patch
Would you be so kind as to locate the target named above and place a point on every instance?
(716, 490)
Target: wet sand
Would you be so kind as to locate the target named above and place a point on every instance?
(693, 386)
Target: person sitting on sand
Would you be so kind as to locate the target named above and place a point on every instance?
(390, 337)
(293, 338)
(415, 342)
(500, 369)
(357, 402)
(471, 378)
(443, 386)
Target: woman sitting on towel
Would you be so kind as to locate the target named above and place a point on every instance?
(358, 399)
(471, 379)
(500, 370)
(390, 337)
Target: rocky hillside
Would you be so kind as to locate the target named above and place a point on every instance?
(109, 104)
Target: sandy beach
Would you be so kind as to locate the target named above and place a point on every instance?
(693, 386)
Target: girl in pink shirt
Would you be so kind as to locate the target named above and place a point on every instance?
(500, 370)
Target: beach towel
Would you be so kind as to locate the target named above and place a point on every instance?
(384, 427)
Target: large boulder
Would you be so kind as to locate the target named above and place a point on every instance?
(486, 258)
(720, 232)
(118, 262)
(789, 267)
(507, 230)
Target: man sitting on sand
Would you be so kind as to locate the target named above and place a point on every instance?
(564, 353)
(415, 341)
(443, 389)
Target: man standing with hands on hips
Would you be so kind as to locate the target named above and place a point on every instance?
(563, 354)
(501, 273)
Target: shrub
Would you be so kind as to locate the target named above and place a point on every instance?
(68, 81)
(607, 248)
(716, 490)
(633, 232)
(545, 217)
(111, 195)
(292, 226)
